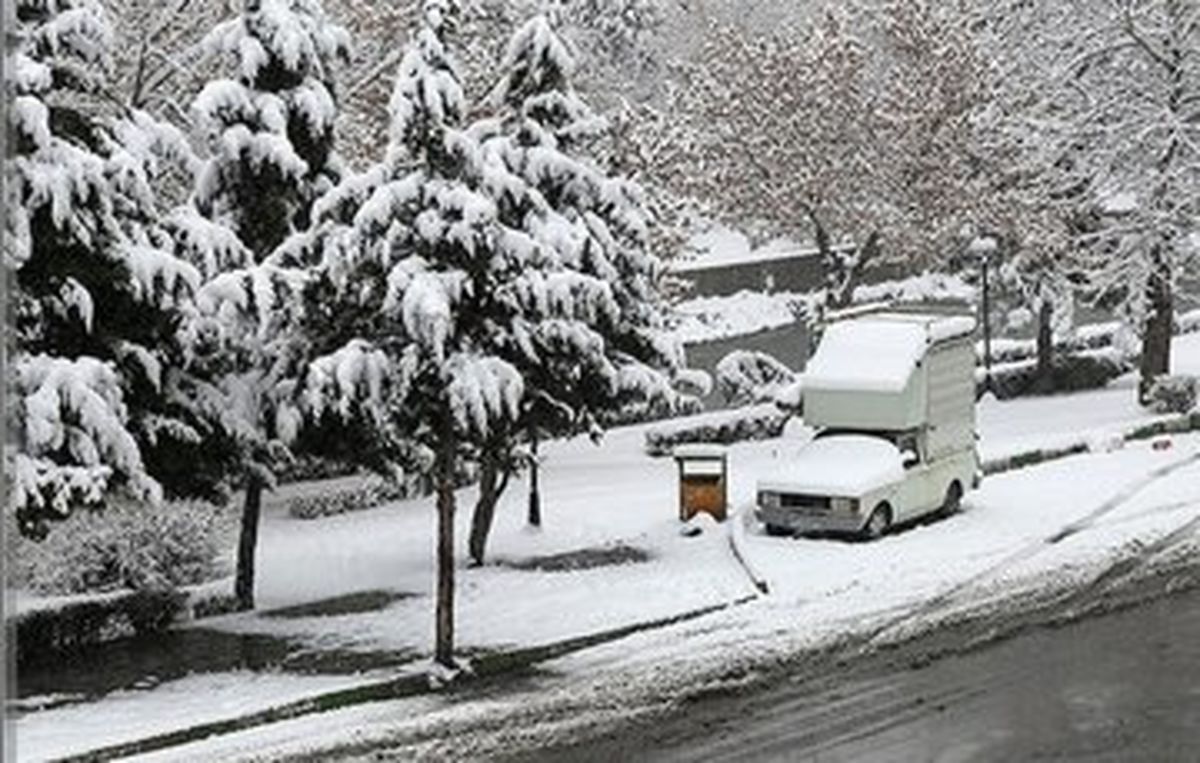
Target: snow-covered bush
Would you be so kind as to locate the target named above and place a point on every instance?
(739, 427)
(1068, 373)
(747, 376)
(369, 493)
(1173, 394)
(46, 635)
(128, 546)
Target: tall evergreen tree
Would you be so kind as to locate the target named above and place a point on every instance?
(580, 370)
(415, 295)
(270, 133)
(448, 281)
(270, 129)
(97, 292)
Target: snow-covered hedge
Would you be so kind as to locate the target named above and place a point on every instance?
(1173, 394)
(128, 546)
(342, 496)
(749, 424)
(1069, 373)
(50, 628)
(1093, 337)
(47, 633)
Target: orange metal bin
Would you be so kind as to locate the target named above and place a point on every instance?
(703, 481)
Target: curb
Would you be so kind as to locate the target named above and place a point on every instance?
(737, 543)
(487, 666)
(1179, 424)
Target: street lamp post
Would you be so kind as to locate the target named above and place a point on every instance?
(984, 247)
(987, 327)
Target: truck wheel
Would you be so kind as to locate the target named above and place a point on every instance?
(878, 523)
(778, 531)
(952, 503)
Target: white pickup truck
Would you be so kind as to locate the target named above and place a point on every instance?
(892, 396)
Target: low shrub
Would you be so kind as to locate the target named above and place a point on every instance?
(126, 546)
(1173, 394)
(750, 425)
(749, 376)
(47, 634)
(1068, 373)
(306, 468)
(367, 493)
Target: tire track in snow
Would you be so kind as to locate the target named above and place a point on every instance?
(1090, 596)
(940, 601)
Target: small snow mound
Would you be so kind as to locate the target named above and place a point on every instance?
(1105, 442)
(440, 675)
(698, 525)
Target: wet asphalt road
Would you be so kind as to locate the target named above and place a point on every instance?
(1122, 687)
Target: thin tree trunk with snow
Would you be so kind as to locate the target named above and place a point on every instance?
(1043, 381)
(535, 497)
(444, 617)
(1156, 338)
(248, 543)
(493, 480)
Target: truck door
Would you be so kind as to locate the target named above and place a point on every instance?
(918, 479)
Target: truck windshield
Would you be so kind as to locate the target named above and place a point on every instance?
(889, 436)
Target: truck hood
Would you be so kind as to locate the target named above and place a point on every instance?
(848, 466)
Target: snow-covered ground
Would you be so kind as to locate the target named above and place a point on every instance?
(721, 246)
(598, 497)
(1002, 544)
(706, 319)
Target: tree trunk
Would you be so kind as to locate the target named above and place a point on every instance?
(1156, 335)
(1043, 378)
(248, 543)
(535, 497)
(485, 507)
(444, 619)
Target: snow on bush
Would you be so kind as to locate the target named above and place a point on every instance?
(128, 546)
(1173, 394)
(745, 425)
(74, 444)
(1068, 373)
(746, 376)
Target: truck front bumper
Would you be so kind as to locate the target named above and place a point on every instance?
(806, 521)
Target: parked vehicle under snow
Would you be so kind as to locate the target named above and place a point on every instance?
(892, 395)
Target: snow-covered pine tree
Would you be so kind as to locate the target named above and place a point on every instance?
(269, 129)
(581, 369)
(96, 291)
(270, 133)
(405, 314)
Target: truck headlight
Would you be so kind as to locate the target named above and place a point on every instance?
(844, 505)
(768, 500)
